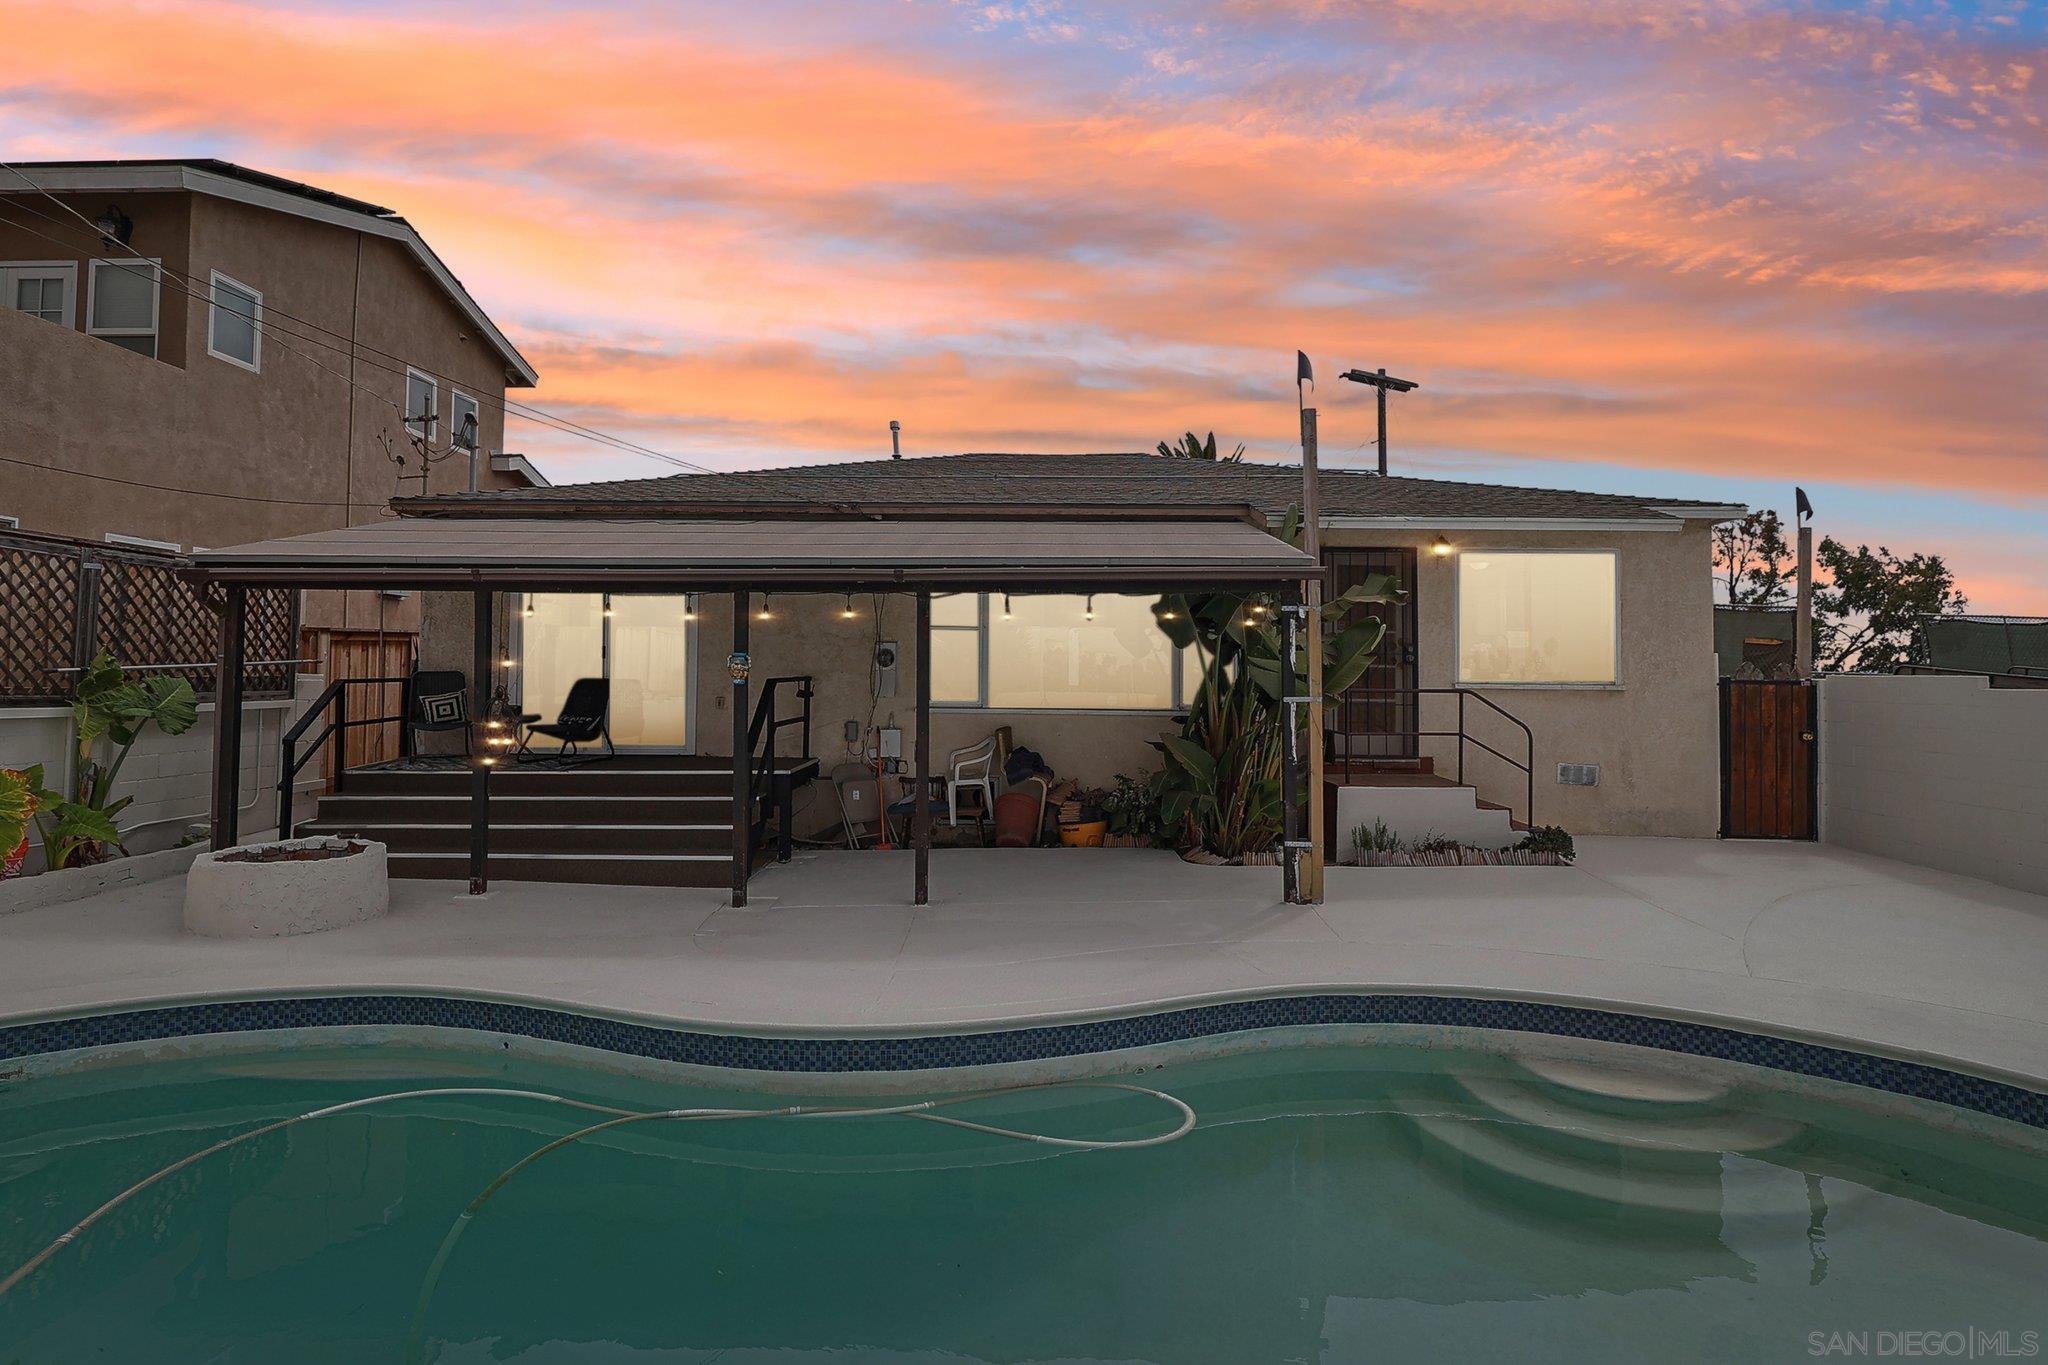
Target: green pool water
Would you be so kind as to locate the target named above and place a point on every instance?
(1334, 1204)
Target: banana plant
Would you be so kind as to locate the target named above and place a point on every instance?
(81, 828)
(1223, 771)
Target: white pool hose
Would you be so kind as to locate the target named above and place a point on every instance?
(919, 1110)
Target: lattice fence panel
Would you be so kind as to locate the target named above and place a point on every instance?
(38, 622)
(143, 612)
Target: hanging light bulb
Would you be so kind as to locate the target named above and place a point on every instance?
(506, 661)
(1169, 615)
(764, 614)
(689, 606)
(847, 611)
(607, 606)
(529, 604)
(1006, 606)
(1089, 614)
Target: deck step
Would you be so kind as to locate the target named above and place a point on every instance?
(612, 869)
(452, 836)
(523, 808)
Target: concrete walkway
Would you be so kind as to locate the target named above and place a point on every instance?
(1790, 938)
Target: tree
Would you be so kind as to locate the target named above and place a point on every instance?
(1867, 616)
(1752, 561)
(1193, 447)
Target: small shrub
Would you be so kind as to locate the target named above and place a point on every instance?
(1547, 839)
(1374, 839)
(1433, 843)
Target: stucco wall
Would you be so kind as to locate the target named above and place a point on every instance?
(151, 446)
(1655, 735)
(1950, 773)
(170, 777)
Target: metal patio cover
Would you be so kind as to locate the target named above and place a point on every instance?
(508, 552)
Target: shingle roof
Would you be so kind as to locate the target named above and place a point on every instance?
(990, 481)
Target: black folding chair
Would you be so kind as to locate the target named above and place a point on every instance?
(585, 717)
(440, 701)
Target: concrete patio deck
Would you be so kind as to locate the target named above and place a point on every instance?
(1796, 939)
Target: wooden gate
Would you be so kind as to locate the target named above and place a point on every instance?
(363, 654)
(1769, 759)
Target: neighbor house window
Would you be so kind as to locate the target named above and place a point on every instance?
(460, 406)
(421, 421)
(44, 289)
(1056, 653)
(123, 304)
(1537, 617)
(234, 324)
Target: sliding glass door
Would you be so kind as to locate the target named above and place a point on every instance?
(644, 644)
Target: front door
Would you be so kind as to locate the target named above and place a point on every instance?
(642, 642)
(1377, 718)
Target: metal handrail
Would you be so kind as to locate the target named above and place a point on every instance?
(1527, 765)
(335, 694)
(766, 723)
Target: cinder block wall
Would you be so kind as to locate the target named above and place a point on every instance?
(170, 777)
(1949, 773)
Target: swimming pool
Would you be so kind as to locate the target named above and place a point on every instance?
(1332, 1204)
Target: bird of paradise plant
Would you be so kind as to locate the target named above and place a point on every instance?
(81, 828)
(1223, 770)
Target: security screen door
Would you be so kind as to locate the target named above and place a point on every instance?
(643, 644)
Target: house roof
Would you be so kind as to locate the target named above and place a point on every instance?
(226, 180)
(997, 484)
(832, 554)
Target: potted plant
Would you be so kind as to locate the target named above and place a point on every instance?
(1132, 809)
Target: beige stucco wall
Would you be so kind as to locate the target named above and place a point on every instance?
(1655, 736)
(296, 446)
(1949, 773)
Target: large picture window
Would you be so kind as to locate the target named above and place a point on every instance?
(1544, 618)
(1053, 653)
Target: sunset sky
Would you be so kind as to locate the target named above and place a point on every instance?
(1702, 250)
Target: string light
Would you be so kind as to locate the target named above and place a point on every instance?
(607, 606)
(506, 661)
(1089, 614)
(847, 610)
(689, 606)
(764, 614)
(529, 604)
(1006, 606)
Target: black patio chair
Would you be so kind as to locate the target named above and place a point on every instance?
(586, 716)
(440, 701)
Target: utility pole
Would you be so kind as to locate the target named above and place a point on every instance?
(1802, 617)
(1309, 879)
(1381, 380)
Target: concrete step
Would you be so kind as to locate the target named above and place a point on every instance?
(1668, 1129)
(1624, 1088)
(452, 836)
(1417, 810)
(510, 779)
(615, 869)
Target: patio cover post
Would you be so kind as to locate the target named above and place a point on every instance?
(480, 764)
(1290, 745)
(742, 756)
(921, 805)
(227, 721)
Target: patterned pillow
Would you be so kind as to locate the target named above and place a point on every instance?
(445, 708)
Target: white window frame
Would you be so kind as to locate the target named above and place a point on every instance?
(255, 364)
(456, 398)
(433, 424)
(68, 270)
(156, 301)
(1458, 618)
(1177, 668)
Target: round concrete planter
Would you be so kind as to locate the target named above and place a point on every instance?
(230, 898)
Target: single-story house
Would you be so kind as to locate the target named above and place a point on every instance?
(1569, 637)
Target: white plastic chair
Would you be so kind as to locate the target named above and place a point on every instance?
(972, 769)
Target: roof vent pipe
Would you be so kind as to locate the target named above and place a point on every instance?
(895, 439)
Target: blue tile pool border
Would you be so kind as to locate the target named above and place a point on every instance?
(1041, 1043)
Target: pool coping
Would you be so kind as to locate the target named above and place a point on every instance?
(879, 1051)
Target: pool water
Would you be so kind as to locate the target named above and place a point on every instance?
(1333, 1204)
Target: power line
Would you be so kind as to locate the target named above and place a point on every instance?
(353, 347)
(170, 488)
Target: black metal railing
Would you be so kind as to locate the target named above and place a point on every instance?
(770, 789)
(334, 698)
(2020, 676)
(1526, 765)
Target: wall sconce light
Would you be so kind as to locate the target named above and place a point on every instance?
(1440, 547)
(115, 227)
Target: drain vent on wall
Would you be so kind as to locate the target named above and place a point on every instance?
(1578, 774)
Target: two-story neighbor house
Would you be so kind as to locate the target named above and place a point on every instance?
(193, 353)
